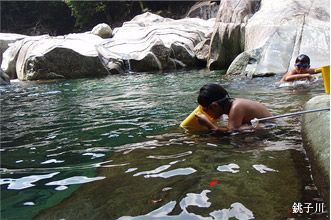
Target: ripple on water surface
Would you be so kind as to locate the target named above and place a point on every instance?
(117, 139)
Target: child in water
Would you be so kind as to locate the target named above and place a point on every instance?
(215, 101)
(302, 70)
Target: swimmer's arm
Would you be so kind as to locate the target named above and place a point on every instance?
(289, 73)
(237, 126)
(203, 120)
(245, 128)
(296, 77)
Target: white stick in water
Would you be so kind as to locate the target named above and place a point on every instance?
(255, 121)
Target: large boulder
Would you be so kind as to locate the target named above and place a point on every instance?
(6, 39)
(280, 31)
(316, 138)
(8, 64)
(150, 42)
(45, 57)
(227, 40)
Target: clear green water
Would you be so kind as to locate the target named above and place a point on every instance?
(111, 147)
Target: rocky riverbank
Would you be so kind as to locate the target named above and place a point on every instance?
(316, 139)
(250, 38)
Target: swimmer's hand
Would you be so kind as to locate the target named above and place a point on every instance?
(204, 121)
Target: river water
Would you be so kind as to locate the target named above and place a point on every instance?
(110, 148)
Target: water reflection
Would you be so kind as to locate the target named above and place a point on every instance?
(171, 173)
(124, 129)
(25, 182)
(158, 171)
(236, 210)
(73, 180)
(263, 169)
(103, 164)
(229, 168)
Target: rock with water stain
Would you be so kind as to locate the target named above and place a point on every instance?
(227, 39)
(275, 34)
(250, 38)
(6, 39)
(316, 141)
(150, 42)
(62, 57)
(8, 64)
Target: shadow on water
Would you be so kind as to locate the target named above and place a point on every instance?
(112, 148)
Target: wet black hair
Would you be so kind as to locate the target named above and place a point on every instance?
(303, 59)
(212, 92)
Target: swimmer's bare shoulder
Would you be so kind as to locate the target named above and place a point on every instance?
(249, 110)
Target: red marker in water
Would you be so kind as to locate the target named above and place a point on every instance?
(212, 183)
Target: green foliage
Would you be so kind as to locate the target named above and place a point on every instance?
(67, 16)
(87, 13)
(35, 17)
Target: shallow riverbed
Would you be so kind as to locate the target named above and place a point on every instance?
(112, 147)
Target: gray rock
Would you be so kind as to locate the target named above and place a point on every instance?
(102, 30)
(151, 42)
(204, 10)
(8, 64)
(227, 40)
(4, 78)
(45, 57)
(250, 38)
(280, 31)
(316, 139)
(6, 39)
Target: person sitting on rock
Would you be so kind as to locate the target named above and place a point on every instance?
(215, 101)
(302, 70)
